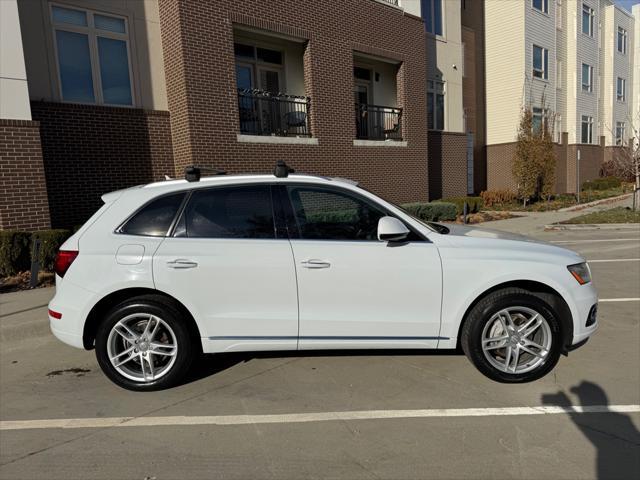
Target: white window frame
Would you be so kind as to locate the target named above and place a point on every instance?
(538, 112)
(620, 133)
(434, 92)
(258, 65)
(589, 85)
(621, 96)
(545, 6)
(589, 122)
(591, 12)
(92, 34)
(432, 3)
(622, 32)
(544, 72)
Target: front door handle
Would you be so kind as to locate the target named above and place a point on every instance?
(315, 264)
(181, 263)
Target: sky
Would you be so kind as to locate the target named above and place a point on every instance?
(627, 3)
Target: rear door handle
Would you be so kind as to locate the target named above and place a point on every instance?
(315, 264)
(181, 263)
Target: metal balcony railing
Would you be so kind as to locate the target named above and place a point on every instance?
(392, 2)
(277, 114)
(376, 122)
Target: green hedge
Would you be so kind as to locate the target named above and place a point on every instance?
(432, 212)
(16, 248)
(14, 252)
(604, 183)
(474, 204)
(50, 242)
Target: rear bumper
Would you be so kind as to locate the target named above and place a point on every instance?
(73, 303)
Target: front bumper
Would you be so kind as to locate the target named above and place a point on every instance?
(584, 311)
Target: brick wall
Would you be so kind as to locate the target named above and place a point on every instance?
(499, 166)
(23, 191)
(200, 68)
(591, 159)
(447, 164)
(90, 150)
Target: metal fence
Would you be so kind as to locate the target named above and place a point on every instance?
(265, 113)
(376, 122)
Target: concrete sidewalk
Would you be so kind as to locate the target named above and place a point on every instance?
(23, 314)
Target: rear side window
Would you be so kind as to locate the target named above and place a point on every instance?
(229, 212)
(154, 219)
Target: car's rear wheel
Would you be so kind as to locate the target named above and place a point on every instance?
(512, 336)
(143, 344)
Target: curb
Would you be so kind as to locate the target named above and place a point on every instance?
(593, 226)
(577, 208)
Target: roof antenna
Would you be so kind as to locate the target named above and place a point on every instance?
(282, 170)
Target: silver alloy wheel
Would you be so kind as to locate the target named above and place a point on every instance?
(516, 340)
(142, 347)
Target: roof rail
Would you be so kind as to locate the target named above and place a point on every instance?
(192, 173)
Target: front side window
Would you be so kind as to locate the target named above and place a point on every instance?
(541, 5)
(324, 214)
(587, 129)
(155, 218)
(621, 131)
(432, 14)
(587, 78)
(540, 62)
(622, 41)
(92, 51)
(435, 105)
(621, 89)
(228, 212)
(587, 20)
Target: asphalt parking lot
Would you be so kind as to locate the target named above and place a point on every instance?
(477, 434)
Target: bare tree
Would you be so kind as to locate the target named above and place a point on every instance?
(625, 161)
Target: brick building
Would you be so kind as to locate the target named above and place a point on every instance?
(100, 95)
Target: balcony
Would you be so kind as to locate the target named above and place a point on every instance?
(273, 114)
(376, 122)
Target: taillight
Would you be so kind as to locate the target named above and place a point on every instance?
(64, 259)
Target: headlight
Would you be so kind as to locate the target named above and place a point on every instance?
(580, 272)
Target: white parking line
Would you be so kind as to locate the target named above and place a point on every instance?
(605, 260)
(307, 417)
(631, 239)
(630, 299)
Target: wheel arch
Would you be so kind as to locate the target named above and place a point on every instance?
(96, 314)
(549, 294)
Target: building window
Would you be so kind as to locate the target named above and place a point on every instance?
(587, 129)
(537, 119)
(435, 105)
(622, 41)
(541, 5)
(587, 20)
(621, 89)
(587, 78)
(540, 62)
(432, 14)
(621, 131)
(92, 51)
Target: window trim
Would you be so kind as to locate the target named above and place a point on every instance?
(592, 15)
(433, 92)
(440, 36)
(545, 7)
(258, 65)
(625, 42)
(621, 98)
(620, 140)
(589, 129)
(590, 84)
(545, 63)
(92, 34)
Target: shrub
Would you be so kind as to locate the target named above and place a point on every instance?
(14, 252)
(497, 197)
(432, 212)
(474, 204)
(49, 246)
(604, 183)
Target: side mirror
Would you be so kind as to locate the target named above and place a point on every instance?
(391, 229)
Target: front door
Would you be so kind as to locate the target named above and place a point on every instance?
(353, 290)
(226, 265)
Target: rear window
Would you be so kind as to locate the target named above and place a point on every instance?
(228, 212)
(154, 219)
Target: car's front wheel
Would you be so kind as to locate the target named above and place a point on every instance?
(143, 344)
(512, 336)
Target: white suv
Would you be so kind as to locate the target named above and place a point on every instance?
(165, 271)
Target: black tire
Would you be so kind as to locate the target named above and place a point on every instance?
(167, 311)
(480, 315)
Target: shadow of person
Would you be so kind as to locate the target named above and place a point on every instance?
(615, 437)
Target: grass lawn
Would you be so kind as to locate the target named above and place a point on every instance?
(558, 201)
(615, 215)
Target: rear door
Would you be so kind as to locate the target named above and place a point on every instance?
(225, 262)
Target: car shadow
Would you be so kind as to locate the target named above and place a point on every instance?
(613, 434)
(207, 365)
